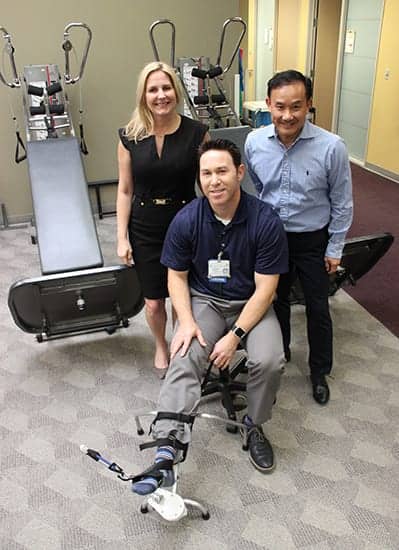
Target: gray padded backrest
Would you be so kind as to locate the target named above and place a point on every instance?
(237, 134)
(66, 233)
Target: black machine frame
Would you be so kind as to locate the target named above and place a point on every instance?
(56, 306)
(360, 254)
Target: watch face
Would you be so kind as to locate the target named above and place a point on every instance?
(239, 332)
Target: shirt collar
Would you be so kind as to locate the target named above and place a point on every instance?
(240, 215)
(308, 131)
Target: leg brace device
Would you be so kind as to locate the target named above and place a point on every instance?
(155, 469)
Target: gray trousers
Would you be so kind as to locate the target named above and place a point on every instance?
(181, 390)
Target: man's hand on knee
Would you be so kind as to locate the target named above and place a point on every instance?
(224, 350)
(183, 336)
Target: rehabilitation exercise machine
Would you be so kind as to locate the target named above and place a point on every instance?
(360, 254)
(166, 501)
(205, 97)
(75, 293)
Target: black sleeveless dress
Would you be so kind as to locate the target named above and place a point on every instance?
(170, 177)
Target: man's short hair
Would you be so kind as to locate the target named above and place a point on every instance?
(289, 77)
(221, 145)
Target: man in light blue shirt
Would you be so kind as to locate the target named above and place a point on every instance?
(304, 172)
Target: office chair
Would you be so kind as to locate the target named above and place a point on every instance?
(232, 391)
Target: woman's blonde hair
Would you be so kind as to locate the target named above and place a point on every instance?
(141, 124)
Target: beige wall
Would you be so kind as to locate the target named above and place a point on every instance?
(383, 144)
(326, 61)
(292, 34)
(303, 35)
(286, 38)
(120, 48)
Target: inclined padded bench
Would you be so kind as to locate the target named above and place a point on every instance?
(65, 229)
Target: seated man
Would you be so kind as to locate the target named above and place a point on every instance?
(224, 254)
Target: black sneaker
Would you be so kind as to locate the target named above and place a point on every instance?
(260, 450)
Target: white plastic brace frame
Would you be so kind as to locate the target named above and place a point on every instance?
(166, 501)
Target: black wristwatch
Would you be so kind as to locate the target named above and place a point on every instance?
(238, 331)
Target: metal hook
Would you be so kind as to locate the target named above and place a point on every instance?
(243, 31)
(67, 47)
(172, 43)
(16, 83)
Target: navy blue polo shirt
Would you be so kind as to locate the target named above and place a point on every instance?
(254, 240)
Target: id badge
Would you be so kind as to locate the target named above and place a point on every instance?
(218, 271)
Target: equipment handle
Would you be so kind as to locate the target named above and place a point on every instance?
(95, 455)
(15, 83)
(67, 47)
(172, 42)
(19, 157)
(232, 20)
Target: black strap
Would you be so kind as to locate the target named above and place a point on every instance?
(206, 377)
(175, 443)
(83, 146)
(156, 443)
(180, 417)
(154, 471)
(19, 157)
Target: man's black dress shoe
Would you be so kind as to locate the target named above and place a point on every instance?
(321, 391)
(260, 451)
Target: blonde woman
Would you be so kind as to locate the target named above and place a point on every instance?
(157, 158)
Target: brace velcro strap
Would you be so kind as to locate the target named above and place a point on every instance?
(180, 417)
(157, 443)
(154, 471)
(167, 441)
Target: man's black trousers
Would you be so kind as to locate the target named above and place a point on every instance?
(306, 260)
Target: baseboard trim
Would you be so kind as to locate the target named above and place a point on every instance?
(381, 172)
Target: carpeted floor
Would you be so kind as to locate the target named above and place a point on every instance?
(336, 484)
(376, 210)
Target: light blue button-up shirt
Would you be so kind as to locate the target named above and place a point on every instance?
(308, 183)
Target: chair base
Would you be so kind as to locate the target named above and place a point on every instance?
(231, 390)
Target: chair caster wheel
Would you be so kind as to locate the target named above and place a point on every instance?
(206, 516)
(140, 431)
(144, 509)
(110, 330)
(231, 429)
(239, 402)
(245, 447)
